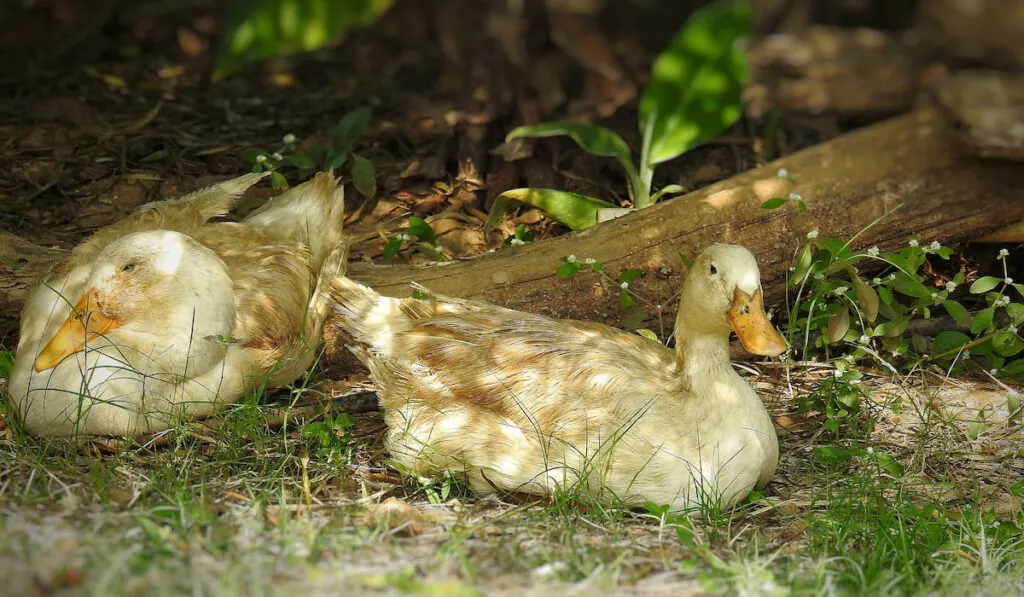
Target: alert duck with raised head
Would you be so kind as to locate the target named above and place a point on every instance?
(518, 402)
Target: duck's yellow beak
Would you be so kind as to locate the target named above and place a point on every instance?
(748, 320)
(84, 324)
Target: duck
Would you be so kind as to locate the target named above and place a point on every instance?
(520, 403)
(170, 315)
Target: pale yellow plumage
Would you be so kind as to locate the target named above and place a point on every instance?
(182, 316)
(522, 402)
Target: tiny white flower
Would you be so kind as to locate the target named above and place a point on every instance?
(812, 234)
(895, 354)
(277, 156)
(1003, 253)
(993, 371)
(876, 281)
(914, 243)
(782, 173)
(1012, 329)
(849, 358)
(871, 450)
(925, 355)
(864, 339)
(892, 276)
(840, 290)
(1002, 301)
(515, 242)
(873, 251)
(261, 159)
(1009, 280)
(590, 261)
(792, 268)
(438, 249)
(624, 285)
(819, 276)
(571, 259)
(935, 296)
(935, 246)
(795, 197)
(950, 286)
(837, 373)
(288, 139)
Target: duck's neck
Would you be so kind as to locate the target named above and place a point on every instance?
(700, 350)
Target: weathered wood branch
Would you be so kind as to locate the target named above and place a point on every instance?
(847, 183)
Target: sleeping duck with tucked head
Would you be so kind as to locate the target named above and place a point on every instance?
(166, 315)
(518, 402)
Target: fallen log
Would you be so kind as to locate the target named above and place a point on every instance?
(913, 160)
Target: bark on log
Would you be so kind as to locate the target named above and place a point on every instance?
(846, 183)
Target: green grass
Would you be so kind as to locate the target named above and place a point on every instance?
(221, 508)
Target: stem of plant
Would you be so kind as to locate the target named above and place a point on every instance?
(643, 191)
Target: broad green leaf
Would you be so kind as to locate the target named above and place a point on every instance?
(646, 333)
(983, 285)
(6, 363)
(888, 464)
(278, 181)
(594, 139)
(773, 203)
(250, 154)
(893, 328)
(982, 319)
(625, 299)
(629, 275)
(392, 248)
(838, 325)
(694, 90)
(958, 313)
(1017, 488)
(575, 211)
(1016, 312)
(301, 161)
(364, 176)
(419, 228)
(259, 29)
(569, 269)
(832, 455)
(1007, 344)
(350, 127)
(947, 342)
(867, 298)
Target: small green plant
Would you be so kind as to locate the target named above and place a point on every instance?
(261, 29)
(521, 236)
(838, 398)
(331, 155)
(420, 235)
(329, 435)
(692, 96)
(633, 312)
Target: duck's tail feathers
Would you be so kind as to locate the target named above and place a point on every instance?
(311, 213)
(183, 214)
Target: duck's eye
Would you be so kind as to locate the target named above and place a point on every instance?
(128, 267)
(713, 270)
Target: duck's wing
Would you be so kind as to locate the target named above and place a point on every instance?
(515, 365)
(311, 213)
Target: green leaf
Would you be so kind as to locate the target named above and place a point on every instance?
(629, 275)
(419, 228)
(569, 269)
(1016, 312)
(6, 363)
(1007, 343)
(633, 317)
(278, 181)
(1017, 488)
(889, 464)
(838, 325)
(251, 154)
(694, 90)
(893, 328)
(982, 319)
(344, 135)
(832, 455)
(575, 211)
(773, 203)
(646, 333)
(594, 139)
(392, 248)
(259, 29)
(947, 342)
(983, 285)
(958, 313)
(364, 176)
(867, 298)
(301, 161)
(625, 299)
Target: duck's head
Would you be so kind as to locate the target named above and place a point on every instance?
(723, 291)
(154, 291)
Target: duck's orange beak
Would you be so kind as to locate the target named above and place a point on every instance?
(748, 320)
(85, 323)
